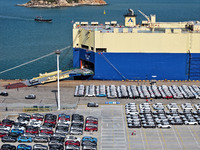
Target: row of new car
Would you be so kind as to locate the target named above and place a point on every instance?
(43, 125)
(56, 143)
(29, 128)
(143, 91)
(91, 124)
(159, 117)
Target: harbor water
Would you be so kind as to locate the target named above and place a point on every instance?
(22, 39)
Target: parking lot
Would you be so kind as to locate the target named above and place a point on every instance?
(113, 132)
(178, 137)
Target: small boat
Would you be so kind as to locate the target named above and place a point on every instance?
(40, 19)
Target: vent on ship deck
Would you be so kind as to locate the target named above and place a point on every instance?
(101, 50)
(84, 46)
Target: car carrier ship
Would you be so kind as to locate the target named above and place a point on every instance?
(151, 50)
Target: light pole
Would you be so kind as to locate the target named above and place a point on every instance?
(57, 52)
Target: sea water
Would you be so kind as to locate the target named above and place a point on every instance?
(22, 39)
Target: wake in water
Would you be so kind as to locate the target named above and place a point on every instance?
(16, 18)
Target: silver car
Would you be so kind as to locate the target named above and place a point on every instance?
(40, 147)
(76, 132)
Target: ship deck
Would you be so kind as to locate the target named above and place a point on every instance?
(138, 29)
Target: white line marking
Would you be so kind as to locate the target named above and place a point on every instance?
(193, 137)
(159, 138)
(177, 138)
(142, 138)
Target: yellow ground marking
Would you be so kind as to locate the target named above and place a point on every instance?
(163, 138)
(197, 137)
(145, 136)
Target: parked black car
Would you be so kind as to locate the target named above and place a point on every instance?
(13, 134)
(30, 96)
(5, 121)
(92, 104)
(57, 138)
(8, 147)
(4, 93)
(56, 147)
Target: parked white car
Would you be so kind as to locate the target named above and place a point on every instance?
(166, 126)
(20, 128)
(172, 106)
(23, 122)
(186, 106)
(132, 112)
(4, 128)
(34, 124)
(191, 123)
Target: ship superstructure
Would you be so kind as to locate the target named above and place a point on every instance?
(151, 50)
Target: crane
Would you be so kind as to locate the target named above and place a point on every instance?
(144, 15)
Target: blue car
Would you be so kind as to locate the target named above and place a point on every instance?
(24, 139)
(64, 116)
(89, 138)
(24, 147)
(17, 131)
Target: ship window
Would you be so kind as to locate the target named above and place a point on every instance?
(100, 50)
(84, 46)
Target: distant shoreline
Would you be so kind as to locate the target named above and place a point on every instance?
(42, 6)
(56, 5)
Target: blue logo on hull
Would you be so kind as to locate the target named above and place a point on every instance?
(130, 20)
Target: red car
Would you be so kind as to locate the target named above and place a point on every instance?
(6, 124)
(32, 131)
(49, 121)
(91, 121)
(37, 118)
(2, 135)
(63, 118)
(46, 131)
(89, 128)
(72, 143)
